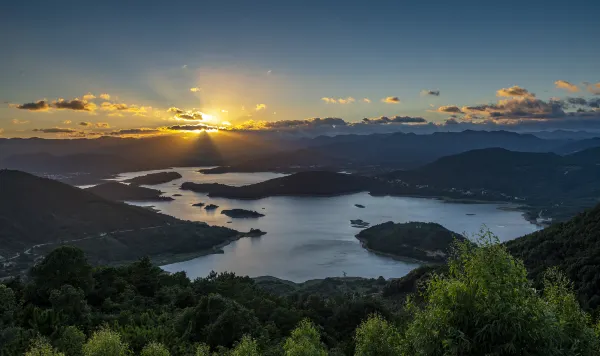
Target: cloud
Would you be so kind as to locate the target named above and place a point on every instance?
(284, 125)
(121, 107)
(451, 121)
(449, 109)
(260, 107)
(67, 122)
(105, 96)
(391, 100)
(175, 110)
(41, 105)
(56, 130)
(513, 91)
(563, 84)
(395, 119)
(19, 122)
(75, 104)
(103, 125)
(191, 127)
(347, 100)
(1, 130)
(367, 100)
(83, 123)
(89, 96)
(195, 89)
(187, 115)
(136, 131)
(593, 88)
(430, 92)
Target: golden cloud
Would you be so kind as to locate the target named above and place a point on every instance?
(103, 125)
(121, 107)
(391, 100)
(260, 107)
(75, 104)
(105, 96)
(329, 100)
(67, 122)
(367, 100)
(89, 96)
(19, 122)
(348, 100)
(84, 123)
(514, 91)
(195, 89)
(563, 84)
(449, 109)
(593, 88)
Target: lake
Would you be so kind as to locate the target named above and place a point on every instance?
(310, 237)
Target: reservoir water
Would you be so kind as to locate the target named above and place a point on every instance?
(310, 237)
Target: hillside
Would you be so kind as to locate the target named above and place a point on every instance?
(573, 247)
(36, 211)
(396, 150)
(317, 183)
(429, 242)
(123, 192)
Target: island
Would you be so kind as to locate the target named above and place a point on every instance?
(123, 192)
(154, 178)
(254, 233)
(359, 206)
(176, 195)
(198, 204)
(314, 183)
(359, 223)
(241, 213)
(427, 242)
(211, 207)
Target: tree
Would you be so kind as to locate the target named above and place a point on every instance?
(8, 306)
(41, 347)
(486, 306)
(155, 349)
(71, 341)
(203, 350)
(304, 341)
(375, 336)
(64, 265)
(70, 305)
(105, 342)
(246, 347)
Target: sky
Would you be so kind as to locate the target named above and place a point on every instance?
(72, 69)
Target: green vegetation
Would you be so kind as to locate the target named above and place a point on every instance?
(417, 240)
(480, 303)
(571, 246)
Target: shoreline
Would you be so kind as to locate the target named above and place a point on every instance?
(395, 257)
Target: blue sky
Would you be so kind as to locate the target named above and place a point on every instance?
(287, 55)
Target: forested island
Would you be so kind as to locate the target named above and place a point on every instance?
(242, 213)
(428, 242)
(154, 178)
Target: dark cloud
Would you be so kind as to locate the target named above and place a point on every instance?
(451, 121)
(175, 110)
(395, 119)
(430, 92)
(56, 130)
(41, 105)
(391, 100)
(83, 123)
(137, 131)
(75, 104)
(191, 127)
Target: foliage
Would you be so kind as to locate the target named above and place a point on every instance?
(304, 341)
(155, 349)
(71, 341)
(41, 347)
(105, 342)
(487, 306)
(480, 303)
(377, 337)
(246, 347)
